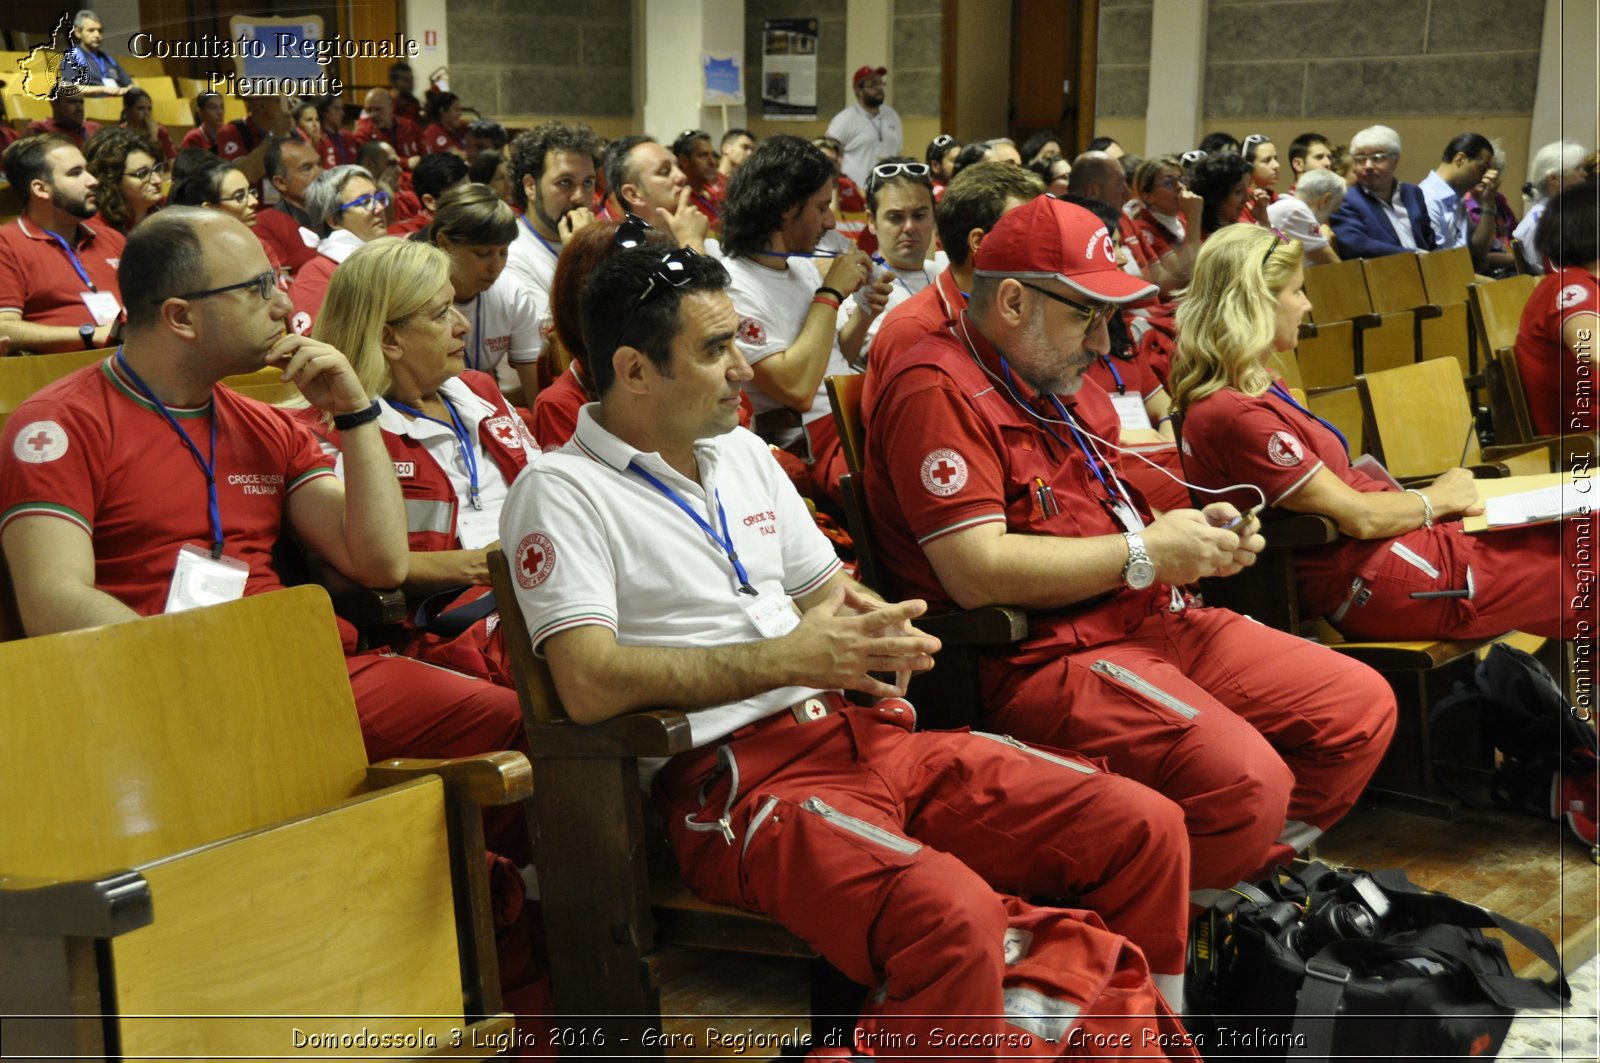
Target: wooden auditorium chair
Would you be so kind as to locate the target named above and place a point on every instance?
(198, 860)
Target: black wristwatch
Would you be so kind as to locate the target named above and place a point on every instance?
(346, 421)
(86, 333)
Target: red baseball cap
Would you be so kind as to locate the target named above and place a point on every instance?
(1048, 239)
(866, 72)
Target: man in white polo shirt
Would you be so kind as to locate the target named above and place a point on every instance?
(662, 560)
(869, 129)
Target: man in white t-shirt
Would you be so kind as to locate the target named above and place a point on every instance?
(553, 175)
(776, 213)
(869, 129)
(1304, 215)
(900, 214)
(661, 560)
(644, 179)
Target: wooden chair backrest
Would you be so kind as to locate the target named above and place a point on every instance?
(21, 377)
(139, 65)
(159, 86)
(28, 108)
(177, 115)
(1420, 418)
(107, 110)
(264, 385)
(178, 730)
(1328, 358)
(1449, 336)
(1394, 282)
(1338, 291)
(1446, 275)
(1497, 306)
(844, 391)
(1341, 408)
(536, 687)
(1507, 402)
(1393, 342)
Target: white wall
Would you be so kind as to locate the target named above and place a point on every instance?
(1177, 76)
(674, 35)
(1565, 107)
(420, 17)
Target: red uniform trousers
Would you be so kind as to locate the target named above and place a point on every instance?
(1519, 583)
(412, 709)
(883, 849)
(1250, 730)
(818, 478)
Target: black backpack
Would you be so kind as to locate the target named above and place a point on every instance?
(1514, 705)
(1319, 963)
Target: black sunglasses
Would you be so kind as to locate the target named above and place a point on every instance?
(631, 231)
(1277, 238)
(1092, 315)
(672, 270)
(264, 283)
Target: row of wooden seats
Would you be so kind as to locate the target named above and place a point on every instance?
(177, 114)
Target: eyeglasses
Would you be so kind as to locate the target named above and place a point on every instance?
(1278, 238)
(373, 201)
(1093, 316)
(241, 197)
(672, 270)
(264, 283)
(144, 173)
(632, 231)
(1191, 157)
(1376, 158)
(1252, 142)
(1173, 182)
(886, 170)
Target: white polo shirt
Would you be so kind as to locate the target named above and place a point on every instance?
(591, 543)
(772, 306)
(504, 329)
(866, 138)
(1298, 220)
(531, 266)
(907, 282)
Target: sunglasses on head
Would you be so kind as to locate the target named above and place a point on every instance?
(1278, 238)
(632, 231)
(672, 270)
(1252, 142)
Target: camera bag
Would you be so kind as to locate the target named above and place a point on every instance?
(1286, 973)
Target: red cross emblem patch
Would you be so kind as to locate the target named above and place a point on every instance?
(504, 431)
(750, 331)
(40, 442)
(944, 472)
(1284, 449)
(536, 559)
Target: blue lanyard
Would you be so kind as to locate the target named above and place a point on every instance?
(207, 467)
(1082, 443)
(723, 541)
(553, 251)
(1278, 390)
(72, 256)
(879, 259)
(1121, 388)
(99, 62)
(469, 452)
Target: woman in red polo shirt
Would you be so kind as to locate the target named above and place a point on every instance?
(209, 113)
(446, 131)
(1401, 567)
(1557, 334)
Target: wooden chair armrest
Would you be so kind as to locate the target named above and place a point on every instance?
(491, 779)
(365, 607)
(1500, 453)
(654, 733)
(1299, 529)
(1427, 310)
(114, 903)
(992, 625)
(1366, 321)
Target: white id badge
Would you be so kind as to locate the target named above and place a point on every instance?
(1130, 410)
(200, 579)
(476, 528)
(1127, 516)
(772, 614)
(102, 305)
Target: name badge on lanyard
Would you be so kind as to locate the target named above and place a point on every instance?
(1130, 410)
(772, 614)
(102, 306)
(199, 579)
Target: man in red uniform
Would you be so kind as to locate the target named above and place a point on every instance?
(58, 274)
(698, 161)
(291, 232)
(380, 122)
(991, 482)
(136, 486)
(66, 119)
(972, 203)
(402, 89)
(244, 141)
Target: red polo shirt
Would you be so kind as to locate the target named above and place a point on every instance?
(37, 278)
(49, 125)
(903, 326)
(437, 138)
(199, 138)
(404, 136)
(282, 234)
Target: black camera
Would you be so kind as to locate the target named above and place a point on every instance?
(1334, 922)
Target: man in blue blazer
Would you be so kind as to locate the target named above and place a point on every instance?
(1381, 215)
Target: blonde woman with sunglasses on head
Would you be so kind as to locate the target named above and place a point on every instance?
(1401, 567)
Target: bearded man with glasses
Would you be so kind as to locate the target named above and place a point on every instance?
(1381, 215)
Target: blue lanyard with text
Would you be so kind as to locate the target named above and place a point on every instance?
(723, 541)
(72, 256)
(553, 251)
(469, 453)
(1278, 390)
(209, 467)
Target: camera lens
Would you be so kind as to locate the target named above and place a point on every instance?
(1336, 922)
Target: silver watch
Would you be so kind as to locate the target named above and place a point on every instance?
(1140, 571)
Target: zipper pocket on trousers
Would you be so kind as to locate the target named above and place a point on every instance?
(860, 827)
(1127, 679)
(1083, 769)
(759, 818)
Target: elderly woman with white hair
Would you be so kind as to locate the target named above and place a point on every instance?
(348, 208)
(1555, 167)
(1381, 215)
(1304, 215)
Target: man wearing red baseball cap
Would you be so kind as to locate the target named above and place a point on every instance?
(992, 481)
(869, 129)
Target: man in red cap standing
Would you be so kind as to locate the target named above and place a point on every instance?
(869, 129)
(994, 479)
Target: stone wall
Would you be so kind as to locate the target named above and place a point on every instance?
(538, 57)
(1123, 84)
(918, 48)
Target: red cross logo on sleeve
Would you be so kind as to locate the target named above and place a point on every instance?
(944, 472)
(536, 559)
(39, 442)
